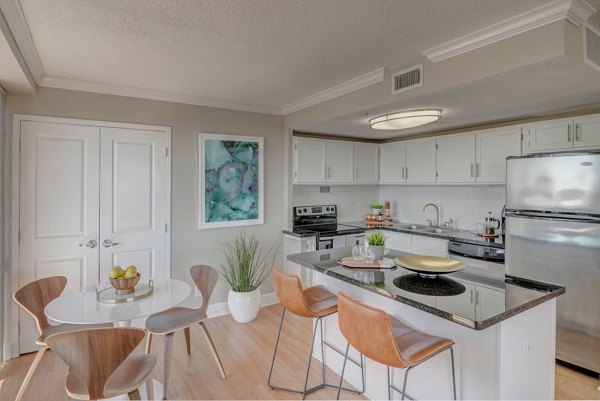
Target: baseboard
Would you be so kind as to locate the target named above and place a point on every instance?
(221, 308)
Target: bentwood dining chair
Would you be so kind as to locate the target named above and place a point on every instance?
(34, 297)
(168, 322)
(101, 363)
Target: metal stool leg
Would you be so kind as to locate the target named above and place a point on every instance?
(453, 373)
(342, 374)
(276, 345)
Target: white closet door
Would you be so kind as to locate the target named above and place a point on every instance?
(58, 209)
(132, 201)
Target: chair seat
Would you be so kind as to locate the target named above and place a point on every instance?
(130, 375)
(320, 300)
(61, 328)
(415, 346)
(173, 319)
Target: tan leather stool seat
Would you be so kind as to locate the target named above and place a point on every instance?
(415, 346)
(320, 300)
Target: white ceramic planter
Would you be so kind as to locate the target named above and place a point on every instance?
(244, 306)
(378, 251)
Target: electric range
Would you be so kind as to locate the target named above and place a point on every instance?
(321, 220)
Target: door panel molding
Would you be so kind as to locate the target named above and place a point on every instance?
(11, 345)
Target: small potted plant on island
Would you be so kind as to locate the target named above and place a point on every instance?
(245, 270)
(376, 242)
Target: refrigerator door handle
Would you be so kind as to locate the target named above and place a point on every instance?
(554, 216)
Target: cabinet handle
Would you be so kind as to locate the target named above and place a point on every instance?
(577, 129)
(472, 168)
(402, 172)
(569, 137)
(471, 296)
(357, 173)
(476, 169)
(406, 173)
(476, 297)
(328, 172)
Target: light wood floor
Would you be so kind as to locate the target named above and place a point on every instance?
(246, 351)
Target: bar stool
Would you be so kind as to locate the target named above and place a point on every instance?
(386, 340)
(316, 303)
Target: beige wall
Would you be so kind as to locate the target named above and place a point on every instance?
(189, 244)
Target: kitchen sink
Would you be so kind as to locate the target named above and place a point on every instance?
(411, 227)
(435, 230)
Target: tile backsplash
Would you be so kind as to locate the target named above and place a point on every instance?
(466, 204)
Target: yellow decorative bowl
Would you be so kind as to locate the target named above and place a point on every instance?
(124, 285)
(429, 266)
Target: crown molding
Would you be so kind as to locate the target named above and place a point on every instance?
(352, 85)
(13, 13)
(575, 11)
(118, 90)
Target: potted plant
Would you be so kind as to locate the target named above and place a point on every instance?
(376, 242)
(246, 268)
(377, 208)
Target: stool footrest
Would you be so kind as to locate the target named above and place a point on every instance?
(333, 347)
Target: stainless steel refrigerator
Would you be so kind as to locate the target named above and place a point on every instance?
(553, 235)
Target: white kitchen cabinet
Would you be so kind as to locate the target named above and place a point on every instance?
(429, 246)
(366, 163)
(339, 162)
(392, 162)
(551, 135)
(420, 161)
(488, 301)
(463, 304)
(398, 241)
(587, 132)
(293, 244)
(309, 161)
(456, 158)
(492, 149)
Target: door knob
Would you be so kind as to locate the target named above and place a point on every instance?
(108, 243)
(90, 244)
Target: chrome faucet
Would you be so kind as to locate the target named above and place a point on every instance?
(437, 214)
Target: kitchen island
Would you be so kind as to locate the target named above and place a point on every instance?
(503, 327)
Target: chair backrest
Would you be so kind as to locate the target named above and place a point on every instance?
(94, 354)
(34, 297)
(288, 289)
(368, 330)
(206, 279)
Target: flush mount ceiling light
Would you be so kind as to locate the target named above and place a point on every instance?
(405, 119)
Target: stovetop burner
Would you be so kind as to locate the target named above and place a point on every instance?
(321, 220)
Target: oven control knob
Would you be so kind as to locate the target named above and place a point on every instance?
(299, 211)
(327, 208)
(304, 210)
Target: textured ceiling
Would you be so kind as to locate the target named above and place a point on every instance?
(260, 52)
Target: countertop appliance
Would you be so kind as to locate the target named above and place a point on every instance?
(553, 235)
(485, 257)
(322, 221)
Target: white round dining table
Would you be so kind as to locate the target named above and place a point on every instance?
(81, 307)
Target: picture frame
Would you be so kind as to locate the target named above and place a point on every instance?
(231, 180)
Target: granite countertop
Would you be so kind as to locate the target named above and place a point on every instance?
(465, 236)
(449, 296)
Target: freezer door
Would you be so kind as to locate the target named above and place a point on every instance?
(566, 253)
(568, 183)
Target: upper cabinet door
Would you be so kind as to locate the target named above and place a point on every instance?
(339, 162)
(309, 161)
(456, 158)
(551, 135)
(392, 163)
(587, 132)
(420, 161)
(492, 150)
(366, 163)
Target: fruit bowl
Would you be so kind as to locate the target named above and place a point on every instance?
(124, 285)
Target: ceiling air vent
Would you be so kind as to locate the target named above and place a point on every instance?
(407, 79)
(592, 47)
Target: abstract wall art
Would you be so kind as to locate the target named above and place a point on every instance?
(231, 180)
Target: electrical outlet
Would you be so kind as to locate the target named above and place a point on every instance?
(529, 347)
